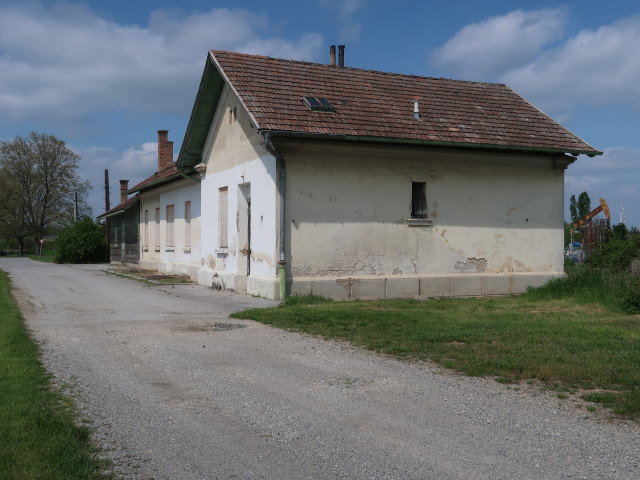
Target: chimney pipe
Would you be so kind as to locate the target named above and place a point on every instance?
(332, 55)
(165, 149)
(341, 55)
(124, 186)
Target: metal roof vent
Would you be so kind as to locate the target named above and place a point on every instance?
(416, 109)
(318, 104)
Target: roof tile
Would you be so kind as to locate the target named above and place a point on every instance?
(378, 104)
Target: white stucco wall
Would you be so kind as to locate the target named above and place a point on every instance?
(492, 214)
(180, 258)
(236, 159)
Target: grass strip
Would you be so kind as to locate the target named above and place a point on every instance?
(568, 345)
(47, 256)
(40, 436)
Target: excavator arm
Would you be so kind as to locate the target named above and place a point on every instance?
(603, 207)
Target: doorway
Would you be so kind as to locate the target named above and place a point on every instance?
(244, 236)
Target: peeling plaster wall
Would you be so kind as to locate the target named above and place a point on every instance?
(492, 213)
(180, 258)
(236, 159)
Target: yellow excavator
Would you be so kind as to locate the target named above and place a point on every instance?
(595, 232)
(603, 207)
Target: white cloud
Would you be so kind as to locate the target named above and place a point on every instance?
(482, 50)
(596, 67)
(138, 162)
(134, 164)
(65, 62)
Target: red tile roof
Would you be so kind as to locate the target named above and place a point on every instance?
(163, 176)
(379, 105)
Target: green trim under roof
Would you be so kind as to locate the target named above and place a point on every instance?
(202, 114)
(120, 210)
(483, 146)
(176, 176)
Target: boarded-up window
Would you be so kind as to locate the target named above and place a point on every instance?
(145, 231)
(169, 226)
(187, 224)
(418, 200)
(156, 232)
(223, 202)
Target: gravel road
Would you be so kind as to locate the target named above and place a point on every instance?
(176, 390)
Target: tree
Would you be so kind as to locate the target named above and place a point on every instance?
(82, 242)
(584, 204)
(41, 171)
(12, 212)
(573, 209)
(579, 208)
(619, 231)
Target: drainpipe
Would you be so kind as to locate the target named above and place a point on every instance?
(282, 177)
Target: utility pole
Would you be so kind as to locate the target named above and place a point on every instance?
(107, 203)
(75, 206)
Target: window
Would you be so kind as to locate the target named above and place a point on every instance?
(187, 224)
(318, 104)
(156, 233)
(223, 195)
(418, 200)
(169, 226)
(145, 230)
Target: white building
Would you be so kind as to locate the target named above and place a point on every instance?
(356, 184)
(169, 216)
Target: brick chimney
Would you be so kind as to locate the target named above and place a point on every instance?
(124, 186)
(165, 149)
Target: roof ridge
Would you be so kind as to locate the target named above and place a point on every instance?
(367, 70)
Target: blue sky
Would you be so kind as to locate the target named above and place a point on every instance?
(105, 76)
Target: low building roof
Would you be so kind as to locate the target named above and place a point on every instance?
(168, 174)
(120, 208)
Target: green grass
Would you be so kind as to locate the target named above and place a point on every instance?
(47, 256)
(39, 432)
(561, 340)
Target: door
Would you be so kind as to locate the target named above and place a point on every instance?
(248, 236)
(244, 236)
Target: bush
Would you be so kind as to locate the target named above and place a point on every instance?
(617, 253)
(631, 298)
(82, 242)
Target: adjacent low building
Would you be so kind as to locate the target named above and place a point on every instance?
(123, 228)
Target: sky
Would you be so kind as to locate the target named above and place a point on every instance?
(105, 76)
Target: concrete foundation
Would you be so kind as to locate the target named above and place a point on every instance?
(429, 286)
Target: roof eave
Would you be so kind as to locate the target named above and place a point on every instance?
(409, 141)
(117, 212)
(203, 112)
(156, 183)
